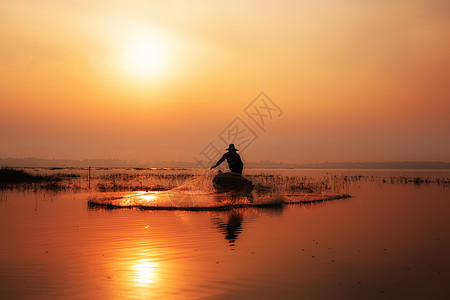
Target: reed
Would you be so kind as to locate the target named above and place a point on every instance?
(136, 179)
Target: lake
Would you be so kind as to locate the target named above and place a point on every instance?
(390, 240)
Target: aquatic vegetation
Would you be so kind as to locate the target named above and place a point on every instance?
(152, 179)
(11, 178)
(191, 189)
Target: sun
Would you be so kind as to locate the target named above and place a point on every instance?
(145, 57)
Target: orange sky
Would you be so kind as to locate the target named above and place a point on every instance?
(149, 80)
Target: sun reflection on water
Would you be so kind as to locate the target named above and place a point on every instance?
(140, 197)
(145, 272)
(147, 197)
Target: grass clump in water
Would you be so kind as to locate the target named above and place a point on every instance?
(11, 176)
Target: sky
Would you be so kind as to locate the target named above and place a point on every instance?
(342, 80)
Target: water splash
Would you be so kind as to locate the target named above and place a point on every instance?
(198, 193)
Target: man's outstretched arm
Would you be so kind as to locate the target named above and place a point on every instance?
(221, 160)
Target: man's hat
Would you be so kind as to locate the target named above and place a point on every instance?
(231, 147)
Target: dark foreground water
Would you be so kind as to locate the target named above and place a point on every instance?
(389, 241)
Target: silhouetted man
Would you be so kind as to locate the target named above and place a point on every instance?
(233, 159)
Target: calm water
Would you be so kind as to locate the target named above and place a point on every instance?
(388, 241)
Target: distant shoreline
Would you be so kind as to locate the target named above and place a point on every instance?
(117, 163)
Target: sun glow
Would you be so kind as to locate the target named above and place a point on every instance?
(145, 56)
(140, 197)
(148, 198)
(145, 272)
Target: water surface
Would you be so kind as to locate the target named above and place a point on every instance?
(389, 240)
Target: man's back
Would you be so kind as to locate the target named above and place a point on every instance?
(234, 161)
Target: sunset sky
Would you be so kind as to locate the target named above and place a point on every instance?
(355, 80)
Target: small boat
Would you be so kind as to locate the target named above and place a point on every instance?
(232, 182)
